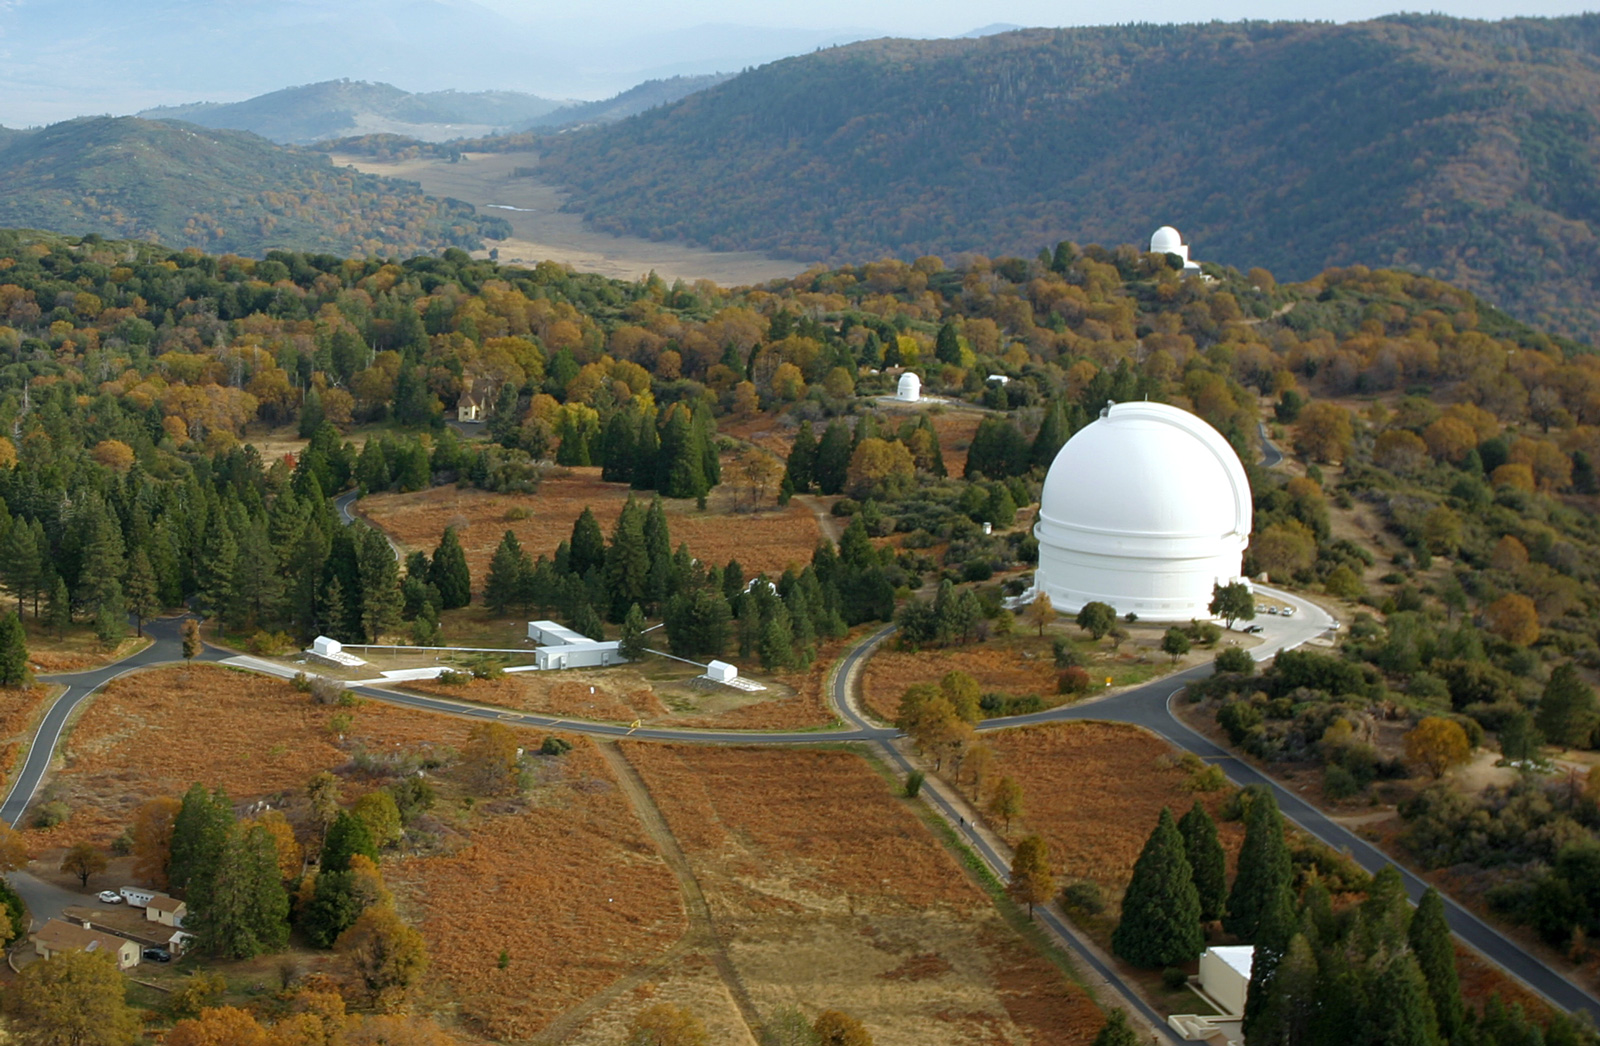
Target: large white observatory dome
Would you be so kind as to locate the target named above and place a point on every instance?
(1167, 241)
(910, 388)
(1144, 509)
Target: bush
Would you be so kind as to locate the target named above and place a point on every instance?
(1238, 718)
(301, 682)
(451, 678)
(122, 845)
(51, 814)
(555, 746)
(846, 507)
(1074, 680)
(1085, 896)
(1066, 654)
(914, 783)
(998, 705)
(1339, 783)
(269, 644)
(1207, 779)
(517, 512)
(325, 691)
(1174, 978)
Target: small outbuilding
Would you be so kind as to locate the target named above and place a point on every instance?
(560, 647)
(722, 672)
(168, 911)
(58, 936)
(138, 896)
(329, 651)
(909, 389)
(469, 408)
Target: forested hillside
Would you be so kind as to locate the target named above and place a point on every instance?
(224, 191)
(1463, 150)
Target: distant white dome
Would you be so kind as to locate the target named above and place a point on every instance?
(1144, 509)
(910, 388)
(1167, 241)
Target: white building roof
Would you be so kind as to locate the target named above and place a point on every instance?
(1167, 241)
(1237, 956)
(553, 634)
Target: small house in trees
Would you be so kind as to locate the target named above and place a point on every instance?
(470, 408)
(168, 911)
(560, 647)
(57, 936)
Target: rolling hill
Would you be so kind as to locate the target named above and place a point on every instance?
(340, 108)
(225, 191)
(1464, 150)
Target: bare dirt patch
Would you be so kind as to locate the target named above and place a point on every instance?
(769, 540)
(826, 891)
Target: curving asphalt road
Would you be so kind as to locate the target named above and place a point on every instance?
(1271, 456)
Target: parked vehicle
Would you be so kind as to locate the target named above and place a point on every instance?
(1288, 611)
(157, 955)
(1252, 629)
(110, 897)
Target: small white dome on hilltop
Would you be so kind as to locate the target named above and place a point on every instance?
(910, 389)
(1167, 241)
(1144, 509)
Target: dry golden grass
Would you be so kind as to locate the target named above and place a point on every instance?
(997, 666)
(157, 732)
(572, 892)
(1095, 790)
(20, 710)
(769, 540)
(828, 892)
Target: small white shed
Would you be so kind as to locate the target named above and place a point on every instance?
(1225, 975)
(325, 646)
(722, 672)
(139, 896)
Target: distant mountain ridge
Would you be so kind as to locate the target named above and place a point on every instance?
(631, 102)
(343, 108)
(1466, 150)
(224, 191)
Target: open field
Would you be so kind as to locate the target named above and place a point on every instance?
(542, 906)
(826, 891)
(157, 732)
(541, 231)
(19, 716)
(767, 541)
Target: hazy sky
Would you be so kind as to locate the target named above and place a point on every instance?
(947, 17)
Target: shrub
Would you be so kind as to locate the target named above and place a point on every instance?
(1339, 783)
(1085, 896)
(122, 845)
(1075, 680)
(269, 644)
(555, 746)
(1174, 978)
(51, 814)
(452, 678)
(846, 507)
(1207, 779)
(517, 512)
(914, 783)
(1066, 654)
(324, 691)
(1238, 718)
(1235, 659)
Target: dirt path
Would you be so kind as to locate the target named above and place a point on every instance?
(827, 522)
(702, 933)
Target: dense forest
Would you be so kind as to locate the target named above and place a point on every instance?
(1463, 150)
(219, 191)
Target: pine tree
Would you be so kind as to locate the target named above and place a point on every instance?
(142, 596)
(646, 452)
(1290, 1013)
(946, 346)
(1274, 930)
(372, 469)
(334, 613)
(658, 550)
(1399, 1011)
(507, 568)
(347, 836)
(218, 555)
(1431, 943)
(627, 563)
(1207, 861)
(1566, 714)
(802, 461)
(585, 621)
(257, 585)
(833, 458)
(99, 577)
(1051, 437)
(380, 584)
(244, 910)
(776, 645)
(588, 545)
(59, 610)
(1160, 923)
(21, 564)
(621, 441)
(448, 572)
(1264, 866)
(632, 645)
(704, 425)
(200, 833)
(13, 651)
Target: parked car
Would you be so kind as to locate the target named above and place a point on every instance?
(1288, 611)
(1252, 629)
(157, 955)
(1272, 610)
(110, 897)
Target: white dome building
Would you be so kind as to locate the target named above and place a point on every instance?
(1145, 509)
(910, 389)
(1167, 241)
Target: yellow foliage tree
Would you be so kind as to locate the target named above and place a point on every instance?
(1324, 432)
(1514, 618)
(1436, 744)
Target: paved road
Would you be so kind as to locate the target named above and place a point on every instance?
(1271, 456)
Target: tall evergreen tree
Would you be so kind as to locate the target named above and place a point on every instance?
(142, 594)
(200, 833)
(13, 651)
(1290, 1016)
(1435, 951)
(1566, 714)
(802, 461)
(1399, 1012)
(1160, 923)
(333, 613)
(503, 587)
(58, 612)
(946, 346)
(588, 544)
(632, 645)
(1275, 928)
(243, 910)
(658, 550)
(380, 584)
(1207, 861)
(833, 458)
(347, 836)
(448, 571)
(585, 621)
(627, 564)
(646, 452)
(219, 553)
(621, 441)
(257, 584)
(1264, 866)
(99, 578)
(776, 645)
(20, 562)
